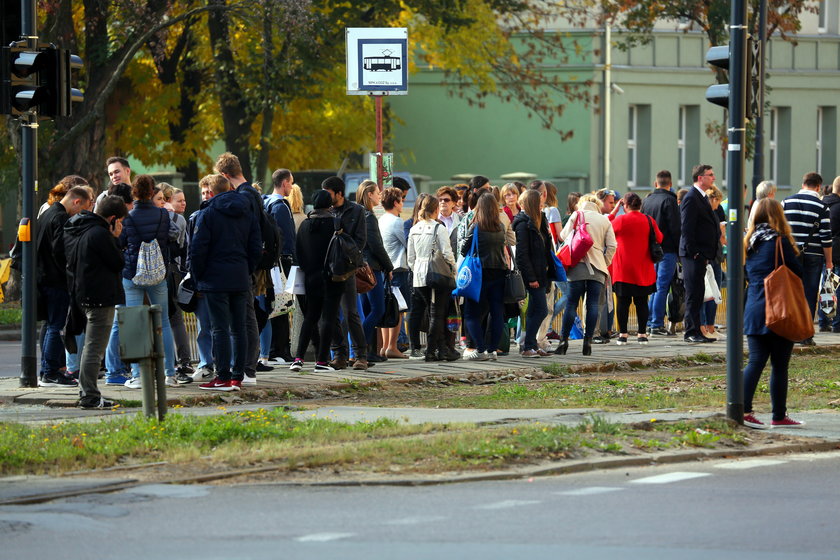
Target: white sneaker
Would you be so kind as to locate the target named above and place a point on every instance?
(475, 355)
(203, 374)
(249, 380)
(491, 356)
(134, 383)
(297, 365)
(324, 367)
(171, 381)
(278, 361)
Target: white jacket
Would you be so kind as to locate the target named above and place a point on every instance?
(603, 248)
(421, 240)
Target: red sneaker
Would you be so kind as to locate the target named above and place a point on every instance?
(235, 385)
(787, 422)
(752, 422)
(219, 385)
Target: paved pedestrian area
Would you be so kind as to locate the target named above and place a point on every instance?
(280, 380)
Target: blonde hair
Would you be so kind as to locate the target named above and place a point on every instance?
(509, 187)
(589, 197)
(428, 208)
(167, 190)
(295, 199)
(714, 192)
(365, 187)
(530, 203)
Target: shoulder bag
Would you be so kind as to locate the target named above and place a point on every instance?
(440, 274)
(514, 284)
(786, 311)
(578, 244)
(365, 279)
(468, 280)
(391, 316)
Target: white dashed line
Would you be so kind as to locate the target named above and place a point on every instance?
(589, 491)
(324, 537)
(749, 464)
(669, 477)
(508, 504)
(416, 520)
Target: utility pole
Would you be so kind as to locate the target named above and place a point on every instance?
(758, 152)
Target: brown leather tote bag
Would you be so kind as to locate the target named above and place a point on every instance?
(786, 311)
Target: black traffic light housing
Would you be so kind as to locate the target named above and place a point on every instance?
(39, 80)
(719, 93)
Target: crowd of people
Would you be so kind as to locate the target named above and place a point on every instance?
(602, 254)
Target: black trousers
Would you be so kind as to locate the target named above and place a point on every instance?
(694, 271)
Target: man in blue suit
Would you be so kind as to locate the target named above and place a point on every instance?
(699, 240)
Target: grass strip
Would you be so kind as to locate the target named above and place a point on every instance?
(235, 440)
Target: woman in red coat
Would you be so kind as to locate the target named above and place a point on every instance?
(633, 274)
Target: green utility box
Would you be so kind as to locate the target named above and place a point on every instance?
(136, 341)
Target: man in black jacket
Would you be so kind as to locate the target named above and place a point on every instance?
(52, 284)
(352, 219)
(698, 245)
(661, 205)
(832, 201)
(94, 277)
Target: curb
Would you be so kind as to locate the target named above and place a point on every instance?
(552, 469)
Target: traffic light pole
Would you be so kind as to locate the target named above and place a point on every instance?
(758, 150)
(29, 149)
(735, 231)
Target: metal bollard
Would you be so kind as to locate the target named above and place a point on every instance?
(141, 341)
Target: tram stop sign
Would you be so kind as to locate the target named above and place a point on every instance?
(377, 60)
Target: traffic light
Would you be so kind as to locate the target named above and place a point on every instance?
(37, 80)
(719, 93)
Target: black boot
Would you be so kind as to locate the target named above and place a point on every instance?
(587, 346)
(561, 349)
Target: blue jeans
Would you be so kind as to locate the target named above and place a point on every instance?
(761, 348)
(227, 312)
(665, 270)
(577, 289)
(812, 267)
(52, 347)
(492, 296)
(113, 363)
(374, 304)
(709, 309)
(537, 311)
(561, 288)
(267, 332)
(824, 321)
(158, 295)
(204, 338)
(74, 361)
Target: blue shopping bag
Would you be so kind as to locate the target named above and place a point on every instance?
(468, 279)
(559, 269)
(577, 330)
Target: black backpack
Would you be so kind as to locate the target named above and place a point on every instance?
(343, 255)
(272, 240)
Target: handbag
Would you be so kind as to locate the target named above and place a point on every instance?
(711, 290)
(514, 284)
(391, 316)
(828, 293)
(295, 282)
(439, 274)
(365, 279)
(655, 248)
(578, 244)
(283, 301)
(786, 311)
(468, 280)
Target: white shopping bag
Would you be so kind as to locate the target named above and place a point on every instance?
(400, 299)
(828, 289)
(712, 291)
(294, 284)
(283, 302)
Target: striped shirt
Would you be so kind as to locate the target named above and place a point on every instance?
(810, 221)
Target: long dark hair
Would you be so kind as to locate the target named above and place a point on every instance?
(487, 213)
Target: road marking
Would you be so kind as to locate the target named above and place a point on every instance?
(416, 520)
(669, 477)
(507, 504)
(749, 464)
(589, 491)
(324, 537)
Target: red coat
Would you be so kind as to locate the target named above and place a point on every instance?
(632, 263)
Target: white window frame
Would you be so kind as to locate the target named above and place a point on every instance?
(632, 145)
(681, 169)
(822, 17)
(819, 139)
(773, 145)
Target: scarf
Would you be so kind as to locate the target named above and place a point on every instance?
(762, 232)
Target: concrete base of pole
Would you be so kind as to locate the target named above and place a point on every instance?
(735, 411)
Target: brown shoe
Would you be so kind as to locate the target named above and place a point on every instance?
(360, 363)
(339, 363)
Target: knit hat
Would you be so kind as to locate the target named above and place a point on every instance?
(321, 199)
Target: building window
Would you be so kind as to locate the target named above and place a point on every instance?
(819, 145)
(822, 17)
(779, 160)
(688, 142)
(681, 171)
(826, 140)
(632, 145)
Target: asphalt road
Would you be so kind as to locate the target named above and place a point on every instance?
(768, 508)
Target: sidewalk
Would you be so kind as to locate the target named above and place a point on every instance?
(282, 383)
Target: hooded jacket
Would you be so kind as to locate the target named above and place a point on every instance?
(51, 260)
(533, 249)
(313, 240)
(225, 245)
(94, 261)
